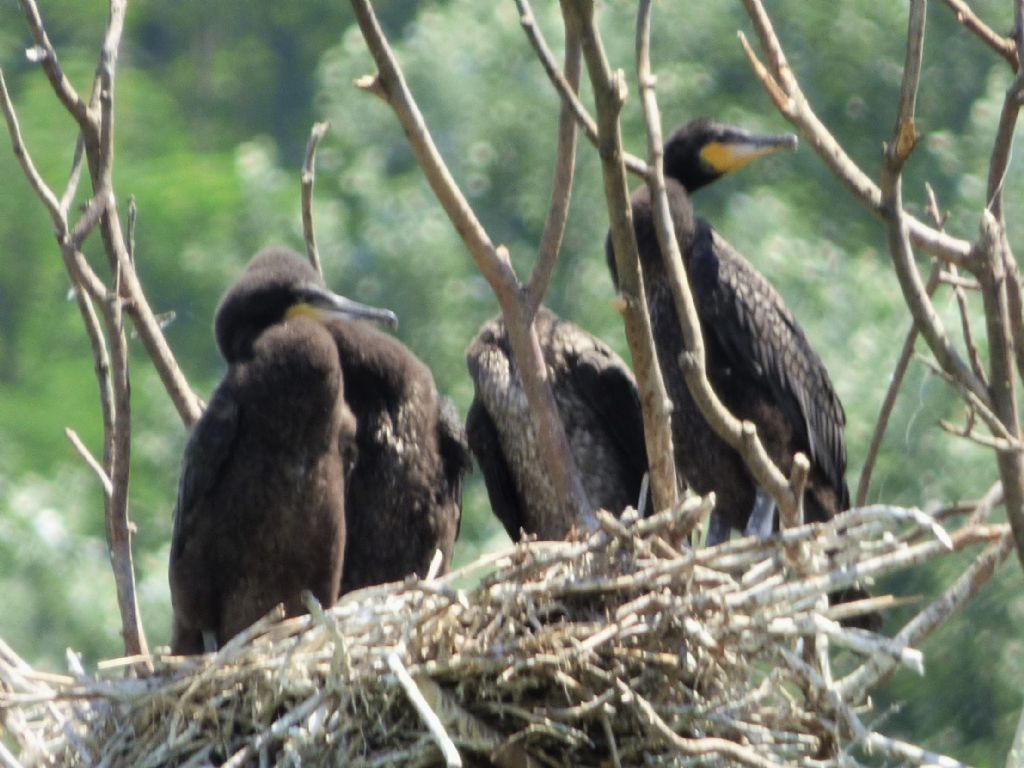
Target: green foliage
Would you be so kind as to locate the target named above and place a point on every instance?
(214, 106)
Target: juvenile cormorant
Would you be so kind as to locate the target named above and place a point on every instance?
(758, 359)
(261, 506)
(404, 497)
(600, 409)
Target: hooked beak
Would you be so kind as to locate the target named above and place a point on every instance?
(734, 151)
(321, 304)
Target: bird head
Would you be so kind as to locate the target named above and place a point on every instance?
(702, 150)
(276, 286)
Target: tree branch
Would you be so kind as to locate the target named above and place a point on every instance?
(895, 156)
(1001, 371)
(741, 436)
(565, 165)
(789, 99)
(891, 393)
(568, 93)
(493, 263)
(609, 92)
(1004, 46)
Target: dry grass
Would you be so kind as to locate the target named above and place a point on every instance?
(617, 649)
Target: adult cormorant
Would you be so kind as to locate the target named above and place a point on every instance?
(600, 409)
(404, 497)
(758, 359)
(261, 505)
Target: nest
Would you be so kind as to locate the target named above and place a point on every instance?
(620, 648)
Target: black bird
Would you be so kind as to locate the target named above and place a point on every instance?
(261, 506)
(758, 359)
(404, 498)
(600, 409)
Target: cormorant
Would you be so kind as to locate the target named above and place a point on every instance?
(600, 409)
(758, 359)
(261, 505)
(404, 497)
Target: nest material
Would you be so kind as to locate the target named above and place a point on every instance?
(619, 649)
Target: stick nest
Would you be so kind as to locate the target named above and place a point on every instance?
(620, 648)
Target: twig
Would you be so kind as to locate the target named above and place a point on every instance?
(694, 747)
(565, 164)
(1004, 46)
(44, 193)
(89, 459)
(877, 668)
(427, 715)
(895, 155)
(609, 94)
(566, 90)
(791, 102)
(965, 325)
(891, 393)
(901, 750)
(308, 178)
(494, 264)
(1001, 369)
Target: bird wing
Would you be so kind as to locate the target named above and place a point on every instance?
(208, 449)
(482, 435)
(454, 452)
(764, 342)
(609, 389)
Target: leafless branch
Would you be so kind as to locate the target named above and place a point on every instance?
(73, 177)
(891, 393)
(609, 93)
(46, 56)
(1001, 369)
(789, 99)
(955, 282)
(308, 179)
(879, 667)
(565, 165)
(1004, 46)
(896, 154)
(565, 89)
(493, 262)
(741, 436)
(90, 460)
(40, 187)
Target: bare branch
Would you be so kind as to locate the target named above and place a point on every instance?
(609, 93)
(308, 178)
(891, 393)
(40, 187)
(895, 155)
(566, 90)
(89, 459)
(1004, 46)
(789, 99)
(565, 165)
(119, 527)
(493, 262)
(952, 278)
(879, 667)
(74, 176)
(47, 58)
(1001, 370)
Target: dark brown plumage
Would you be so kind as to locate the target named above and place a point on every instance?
(261, 510)
(404, 497)
(600, 410)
